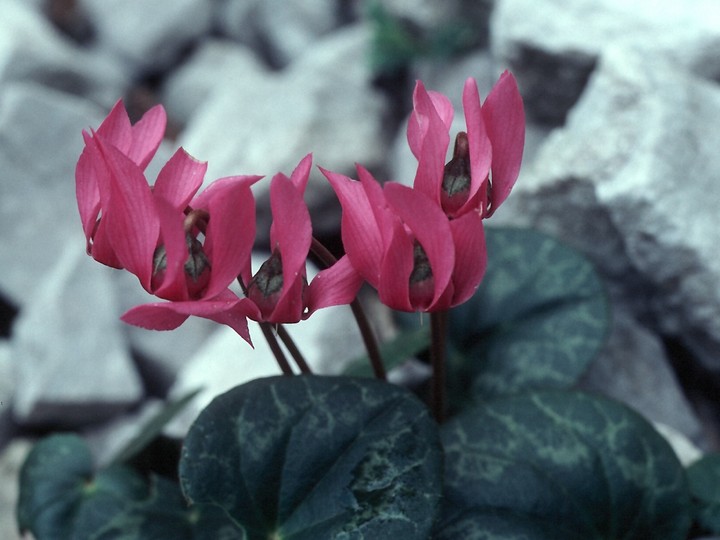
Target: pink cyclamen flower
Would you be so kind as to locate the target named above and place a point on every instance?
(279, 291)
(486, 158)
(183, 248)
(401, 242)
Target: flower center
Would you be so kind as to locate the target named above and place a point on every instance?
(266, 285)
(422, 284)
(456, 176)
(196, 267)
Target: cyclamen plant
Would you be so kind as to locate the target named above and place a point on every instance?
(515, 319)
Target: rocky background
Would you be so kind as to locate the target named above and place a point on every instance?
(622, 161)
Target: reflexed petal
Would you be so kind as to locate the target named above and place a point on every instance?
(480, 148)
(225, 309)
(172, 238)
(505, 123)
(179, 179)
(334, 286)
(301, 174)
(101, 247)
(434, 140)
(470, 255)
(360, 232)
(131, 218)
(418, 123)
(231, 229)
(431, 228)
(397, 265)
(147, 134)
(116, 128)
(293, 235)
(87, 191)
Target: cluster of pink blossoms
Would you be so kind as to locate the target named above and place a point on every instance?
(422, 248)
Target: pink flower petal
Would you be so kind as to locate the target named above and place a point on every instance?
(172, 239)
(301, 174)
(87, 191)
(334, 286)
(505, 123)
(147, 134)
(179, 179)
(480, 147)
(397, 265)
(418, 123)
(116, 128)
(360, 232)
(434, 141)
(431, 228)
(231, 229)
(293, 236)
(225, 309)
(470, 255)
(131, 218)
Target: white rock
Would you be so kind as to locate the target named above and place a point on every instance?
(11, 460)
(147, 36)
(40, 142)
(214, 64)
(684, 449)
(32, 50)
(554, 50)
(71, 363)
(265, 123)
(280, 30)
(632, 181)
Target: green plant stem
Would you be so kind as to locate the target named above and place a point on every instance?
(328, 259)
(438, 326)
(293, 350)
(275, 348)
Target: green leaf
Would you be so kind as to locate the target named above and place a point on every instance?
(164, 513)
(153, 428)
(560, 465)
(538, 319)
(312, 458)
(57, 484)
(61, 497)
(405, 345)
(704, 479)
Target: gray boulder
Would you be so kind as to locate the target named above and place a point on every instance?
(554, 51)
(632, 181)
(71, 364)
(278, 30)
(147, 36)
(40, 142)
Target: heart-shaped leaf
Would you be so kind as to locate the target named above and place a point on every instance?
(562, 466)
(317, 458)
(704, 480)
(62, 497)
(537, 320)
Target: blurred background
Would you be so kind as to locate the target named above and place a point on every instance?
(621, 162)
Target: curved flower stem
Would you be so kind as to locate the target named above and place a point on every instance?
(292, 349)
(328, 259)
(275, 348)
(438, 326)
